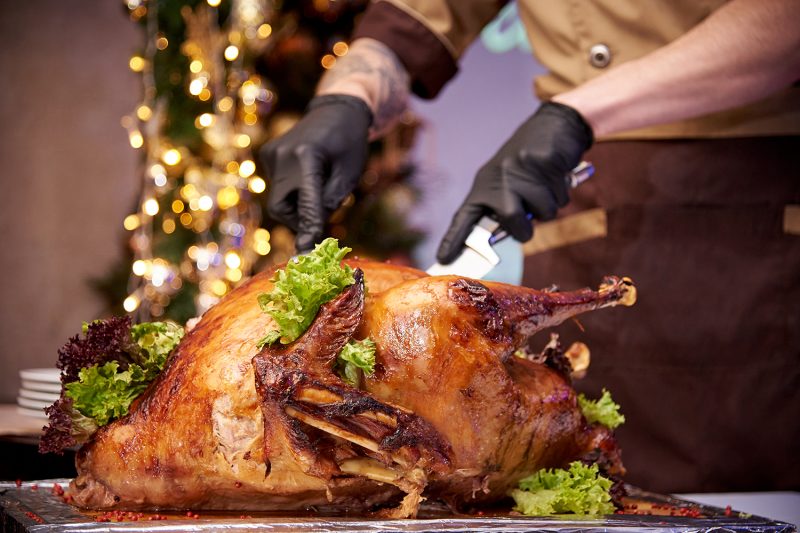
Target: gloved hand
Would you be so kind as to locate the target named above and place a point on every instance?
(527, 175)
(316, 164)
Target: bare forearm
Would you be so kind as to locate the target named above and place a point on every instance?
(744, 51)
(372, 72)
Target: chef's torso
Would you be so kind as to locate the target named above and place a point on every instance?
(580, 39)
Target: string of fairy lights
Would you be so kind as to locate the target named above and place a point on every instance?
(210, 193)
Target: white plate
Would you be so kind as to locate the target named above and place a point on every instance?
(32, 404)
(41, 386)
(35, 413)
(48, 375)
(38, 395)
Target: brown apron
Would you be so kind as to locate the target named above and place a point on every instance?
(706, 365)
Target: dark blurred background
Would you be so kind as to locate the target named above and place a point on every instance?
(67, 172)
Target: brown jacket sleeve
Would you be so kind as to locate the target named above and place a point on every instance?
(428, 36)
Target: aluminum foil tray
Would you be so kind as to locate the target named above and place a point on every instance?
(38, 506)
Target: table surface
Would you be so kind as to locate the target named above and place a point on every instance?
(15, 424)
(783, 506)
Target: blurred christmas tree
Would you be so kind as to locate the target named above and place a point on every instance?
(220, 78)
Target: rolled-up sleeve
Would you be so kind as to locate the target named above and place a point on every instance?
(428, 36)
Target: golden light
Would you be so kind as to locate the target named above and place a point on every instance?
(157, 170)
(200, 225)
(225, 104)
(193, 175)
(227, 197)
(150, 207)
(242, 140)
(233, 274)
(328, 61)
(261, 234)
(246, 168)
(194, 204)
(213, 3)
(196, 66)
(136, 139)
(233, 260)
(162, 43)
(219, 287)
(177, 206)
(139, 267)
(206, 119)
(231, 180)
(189, 191)
(250, 119)
(249, 91)
(137, 63)
(131, 222)
(232, 167)
(235, 37)
(168, 225)
(171, 157)
(264, 31)
(138, 13)
(186, 219)
(192, 252)
(340, 48)
(144, 113)
(131, 303)
(205, 203)
(196, 86)
(190, 48)
(231, 52)
(257, 185)
(262, 247)
(249, 13)
(159, 273)
(205, 95)
(202, 258)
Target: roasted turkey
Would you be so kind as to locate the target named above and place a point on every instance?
(450, 412)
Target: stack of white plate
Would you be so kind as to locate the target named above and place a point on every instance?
(41, 387)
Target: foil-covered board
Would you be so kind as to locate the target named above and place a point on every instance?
(42, 506)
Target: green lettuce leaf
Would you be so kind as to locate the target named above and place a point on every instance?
(83, 427)
(355, 357)
(156, 341)
(103, 393)
(103, 371)
(302, 287)
(603, 411)
(579, 490)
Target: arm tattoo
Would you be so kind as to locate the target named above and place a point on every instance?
(378, 68)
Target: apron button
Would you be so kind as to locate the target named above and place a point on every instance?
(599, 56)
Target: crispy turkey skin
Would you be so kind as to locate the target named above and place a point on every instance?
(449, 413)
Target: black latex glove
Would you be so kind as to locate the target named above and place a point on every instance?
(316, 164)
(527, 175)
